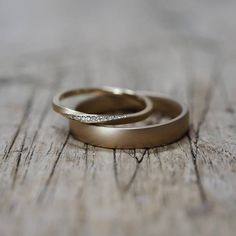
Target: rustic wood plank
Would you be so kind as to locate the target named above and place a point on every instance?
(51, 184)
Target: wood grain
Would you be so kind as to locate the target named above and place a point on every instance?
(51, 184)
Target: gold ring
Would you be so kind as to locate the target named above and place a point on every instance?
(134, 137)
(144, 112)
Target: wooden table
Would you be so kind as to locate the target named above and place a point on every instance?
(51, 184)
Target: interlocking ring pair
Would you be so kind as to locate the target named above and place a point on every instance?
(92, 121)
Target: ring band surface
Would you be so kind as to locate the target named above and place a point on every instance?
(134, 137)
(144, 111)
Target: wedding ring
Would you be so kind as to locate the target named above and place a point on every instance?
(145, 103)
(133, 137)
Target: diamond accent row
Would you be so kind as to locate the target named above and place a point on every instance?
(95, 118)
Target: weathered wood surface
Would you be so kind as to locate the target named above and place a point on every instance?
(51, 184)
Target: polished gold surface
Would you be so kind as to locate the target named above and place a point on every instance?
(145, 110)
(134, 137)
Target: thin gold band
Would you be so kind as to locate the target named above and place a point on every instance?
(89, 118)
(136, 137)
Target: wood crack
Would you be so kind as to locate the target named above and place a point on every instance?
(86, 156)
(54, 86)
(42, 117)
(45, 110)
(50, 148)
(194, 147)
(24, 118)
(41, 195)
(18, 160)
(126, 187)
(30, 158)
(194, 154)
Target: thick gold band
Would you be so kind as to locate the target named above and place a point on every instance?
(145, 103)
(135, 137)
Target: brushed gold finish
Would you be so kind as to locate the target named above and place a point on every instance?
(134, 137)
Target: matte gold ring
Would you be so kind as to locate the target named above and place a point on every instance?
(145, 103)
(134, 137)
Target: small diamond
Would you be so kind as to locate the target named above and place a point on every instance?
(94, 118)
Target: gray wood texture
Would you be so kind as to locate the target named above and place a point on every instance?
(51, 184)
